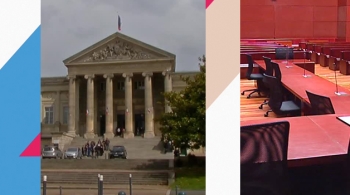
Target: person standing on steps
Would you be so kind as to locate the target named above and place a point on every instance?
(87, 149)
(107, 144)
(92, 147)
(118, 132)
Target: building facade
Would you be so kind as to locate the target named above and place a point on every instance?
(115, 83)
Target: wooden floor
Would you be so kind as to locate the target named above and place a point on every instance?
(250, 107)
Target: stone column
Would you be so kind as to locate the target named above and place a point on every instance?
(149, 111)
(71, 105)
(57, 108)
(168, 87)
(90, 113)
(109, 106)
(129, 114)
(77, 106)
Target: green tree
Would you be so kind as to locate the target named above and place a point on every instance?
(185, 125)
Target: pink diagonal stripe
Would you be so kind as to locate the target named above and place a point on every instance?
(33, 150)
(207, 3)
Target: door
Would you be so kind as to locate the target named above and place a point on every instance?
(139, 124)
(120, 124)
(102, 124)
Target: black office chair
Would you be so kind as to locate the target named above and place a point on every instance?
(276, 70)
(284, 53)
(276, 101)
(320, 104)
(264, 149)
(253, 76)
(268, 71)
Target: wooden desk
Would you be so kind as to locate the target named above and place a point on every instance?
(315, 84)
(313, 139)
(309, 66)
(293, 81)
(341, 104)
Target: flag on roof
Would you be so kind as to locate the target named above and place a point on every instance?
(119, 23)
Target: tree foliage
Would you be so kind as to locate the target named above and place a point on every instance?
(185, 125)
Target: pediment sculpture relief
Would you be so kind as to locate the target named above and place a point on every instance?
(119, 50)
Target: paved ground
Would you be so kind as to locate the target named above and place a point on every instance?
(105, 192)
(114, 189)
(188, 192)
(115, 192)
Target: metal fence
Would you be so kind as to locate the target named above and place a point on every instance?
(174, 191)
(99, 186)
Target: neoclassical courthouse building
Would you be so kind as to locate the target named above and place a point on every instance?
(115, 83)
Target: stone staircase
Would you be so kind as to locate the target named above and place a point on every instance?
(146, 162)
(120, 177)
(115, 172)
(137, 148)
(111, 164)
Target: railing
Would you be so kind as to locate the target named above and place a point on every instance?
(176, 191)
(99, 186)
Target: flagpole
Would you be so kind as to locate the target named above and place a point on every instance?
(119, 22)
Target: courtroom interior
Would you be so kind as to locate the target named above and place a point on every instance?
(295, 96)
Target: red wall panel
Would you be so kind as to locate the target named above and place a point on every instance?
(256, 2)
(347, 35)
(257, 30)
(294, 13)
(342, 13)
(325, 29)
(293, 29)
(325, 14)
(324, 2)
(341, 30)
(291, 18)
(265, 13)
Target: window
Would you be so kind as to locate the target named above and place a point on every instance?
(65, 114)
(49, 115)
(48, 149)
(120, 86)
(102, 86)
(140, 85)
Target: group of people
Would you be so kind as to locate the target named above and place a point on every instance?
(169, 147)
(91, 149)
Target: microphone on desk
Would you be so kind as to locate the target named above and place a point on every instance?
(287, 57)
(336, 82)
(305, 75)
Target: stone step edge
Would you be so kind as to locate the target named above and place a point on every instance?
(103, 171)
(142, 181)
(107, 180)
(106, 186)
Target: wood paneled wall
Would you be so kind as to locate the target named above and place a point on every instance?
(295, 19)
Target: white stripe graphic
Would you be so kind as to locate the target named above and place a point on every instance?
(19, 19)
(222, 133)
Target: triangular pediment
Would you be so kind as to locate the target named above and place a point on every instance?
(118, 47)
